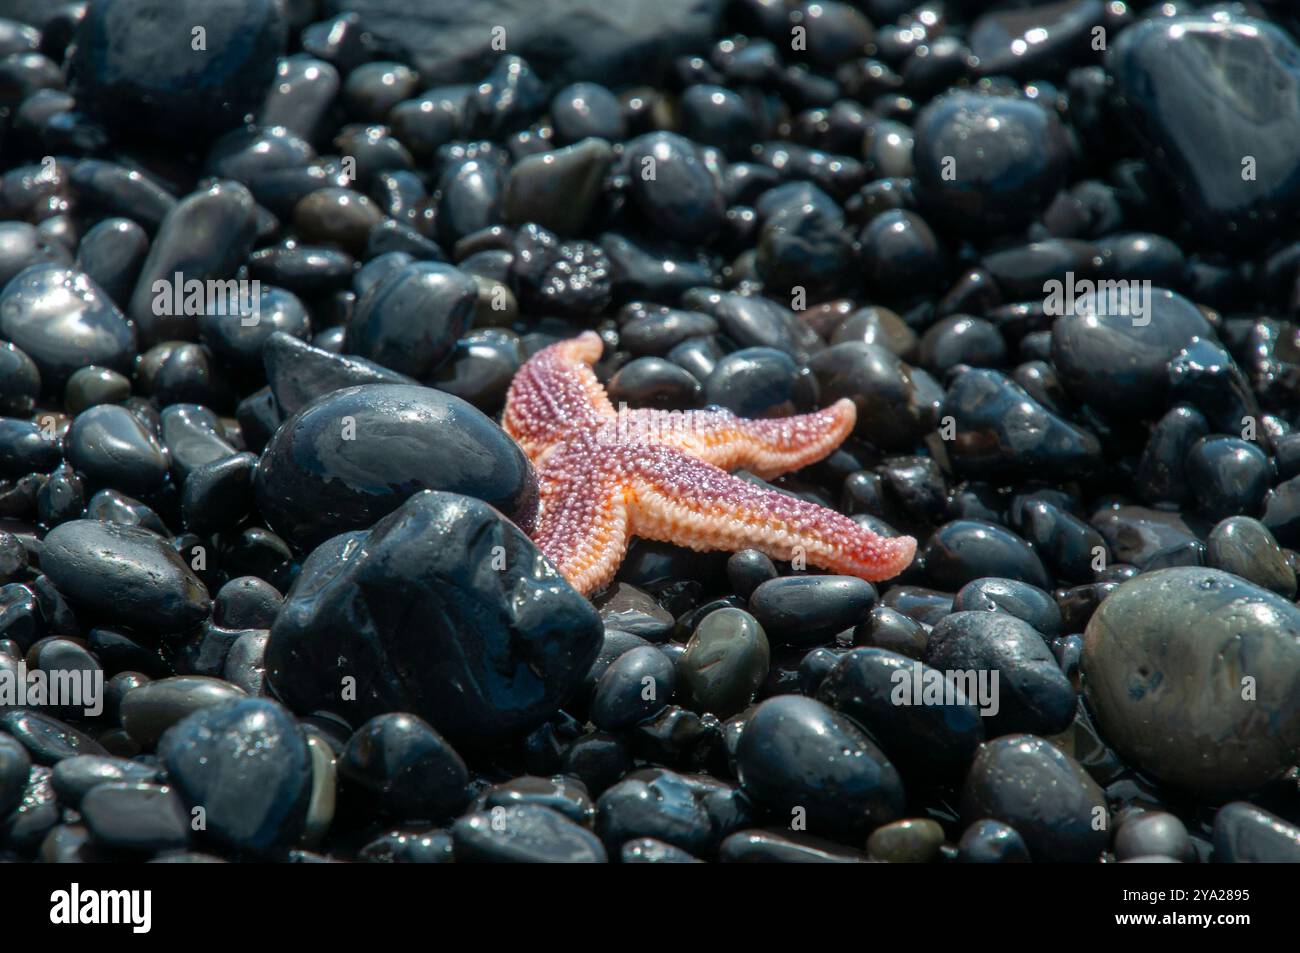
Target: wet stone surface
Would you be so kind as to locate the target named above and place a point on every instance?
(261, 306)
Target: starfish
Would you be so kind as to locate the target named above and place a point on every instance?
(607, 475)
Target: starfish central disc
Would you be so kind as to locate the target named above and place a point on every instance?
(608, 475)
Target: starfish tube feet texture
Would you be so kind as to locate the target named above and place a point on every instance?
(608, 475)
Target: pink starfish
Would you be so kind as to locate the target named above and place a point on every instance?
(608, 475)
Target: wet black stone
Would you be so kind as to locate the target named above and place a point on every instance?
(246, 764)
(20, 381)
(806, 246)
(694, 813)
(654, 382)
(396, 765)
(219, 494)
(936, 740)
(636, 686)
(890, 413)
(725, 663)
(672, 188)
(1162, 468)
(901, 256)
(124, 573)
(410, 320)
(122, 188)
(961, 339)
(559, 189)
(132, 816)
(583, 110)
(524, 833)
(26, 447)
(239, 338)
(1068, 545)
(15, 766)
(1198, 153)
(335, 466)
(1000, 432)
(807, 610)
(1229, 476)
(1153, 659)
(302, 269)
(797, 753)
(1244, 546)
(1020, 599)
(298, 373)
(47, 739)
(1009, 159)
(73, 778)
(148, 710)
(194, 437)
(485, 669)
(1032, 695)
(110, 506)
(304, 88)
(1154, 834)
(60, 319)
(653, 269)
(1244, 833)
(965, 550)
(561, 277)
(1282, 512)
(1030, 785)
(111, 255)
(785, 847)
(647, 850)
(748, 569)
(991, 842)
(92, 385)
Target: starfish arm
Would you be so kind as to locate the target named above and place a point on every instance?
(692, 503)
(766, 447)
(583, 524)
(556, 392)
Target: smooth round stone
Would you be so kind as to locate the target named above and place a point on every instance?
(1204, 375)
(1244, 833)
(654, 382)
(148, 710)
(26, 447)
(938, 733)
(717, 116)
(62, 320)
(647, 850)
(91, 386)
(409, 321)
(656, 330)
(784, 847)
(298, 373)
(372, 89)
(23, 246)
(470, 192)
(887, 628)
(111, 254)
(336, 216)
(136, 817)
(901, 256)
(206, 236)
(1068, 545)
(961, 339)
(808, 610)
(558, 190)
(1032, 694)
(1194, 677)
(247, 765)
(760, 322)
(725, 663)
(749, 569)
(796, 753)
(906, 842)
(1154, 833)
(965, 550)
(1116, 362)
(47, 739)
(806, 246)
(1229, 476)
(219, 494)
(348, 459)
(1244, 547)
(1252, 67)
(1032, 786)
(20, 380)
(758, 382)
(1029, 603)
(125, 574)
(246, 603)
(246, 152)
(1009, 158)
(303, 90)
(991, 842)
(636, 686)
(507, 100)
(134, 69)
(587, 109)
(693, 813)
(476, 663)
(75, 777)
(628, 609)
(15, 766)
(1282, 512)
(525, 833)
(239, 338)
(1002, 433)
(112, 447)
(409, 847)
(26, 826)
(881, 387)
(673, 188)
(560, 793)
(404, 769)
(481, 368)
